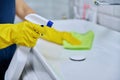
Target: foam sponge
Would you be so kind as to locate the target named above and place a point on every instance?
(85, 38)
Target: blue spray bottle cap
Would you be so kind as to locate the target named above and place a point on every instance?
(50, 23)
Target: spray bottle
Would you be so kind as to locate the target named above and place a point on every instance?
(38, 20)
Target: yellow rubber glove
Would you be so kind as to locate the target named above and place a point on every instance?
(24, 33)
(27, 33)
(50, 34)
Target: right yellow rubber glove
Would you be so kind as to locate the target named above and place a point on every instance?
(27, 33)
(52, 35)
(24, 33)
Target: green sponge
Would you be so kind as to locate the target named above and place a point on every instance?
(86, 41)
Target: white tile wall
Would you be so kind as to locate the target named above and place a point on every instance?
(110, 22)
(58, 9)
(108, 10)
(117, 11)
(108, 16)
(51, 9)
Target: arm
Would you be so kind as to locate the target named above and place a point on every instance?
(22, 9)
(27, 33)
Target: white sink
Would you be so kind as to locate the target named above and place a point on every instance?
(102, 61)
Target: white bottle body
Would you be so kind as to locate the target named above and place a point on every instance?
(38, 20)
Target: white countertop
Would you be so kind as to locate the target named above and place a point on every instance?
(102, 61)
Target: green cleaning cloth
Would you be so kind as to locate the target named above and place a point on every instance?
(86, 41)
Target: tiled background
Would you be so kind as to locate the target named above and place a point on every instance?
(51, 9)
(63, 9)
(107, 15)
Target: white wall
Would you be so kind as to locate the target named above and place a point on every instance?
(108, 16)
(60, 9)
(51, 9)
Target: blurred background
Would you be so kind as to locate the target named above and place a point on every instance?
(105, 15)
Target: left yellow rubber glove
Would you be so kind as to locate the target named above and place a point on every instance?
(24, 33)
(53, 35)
